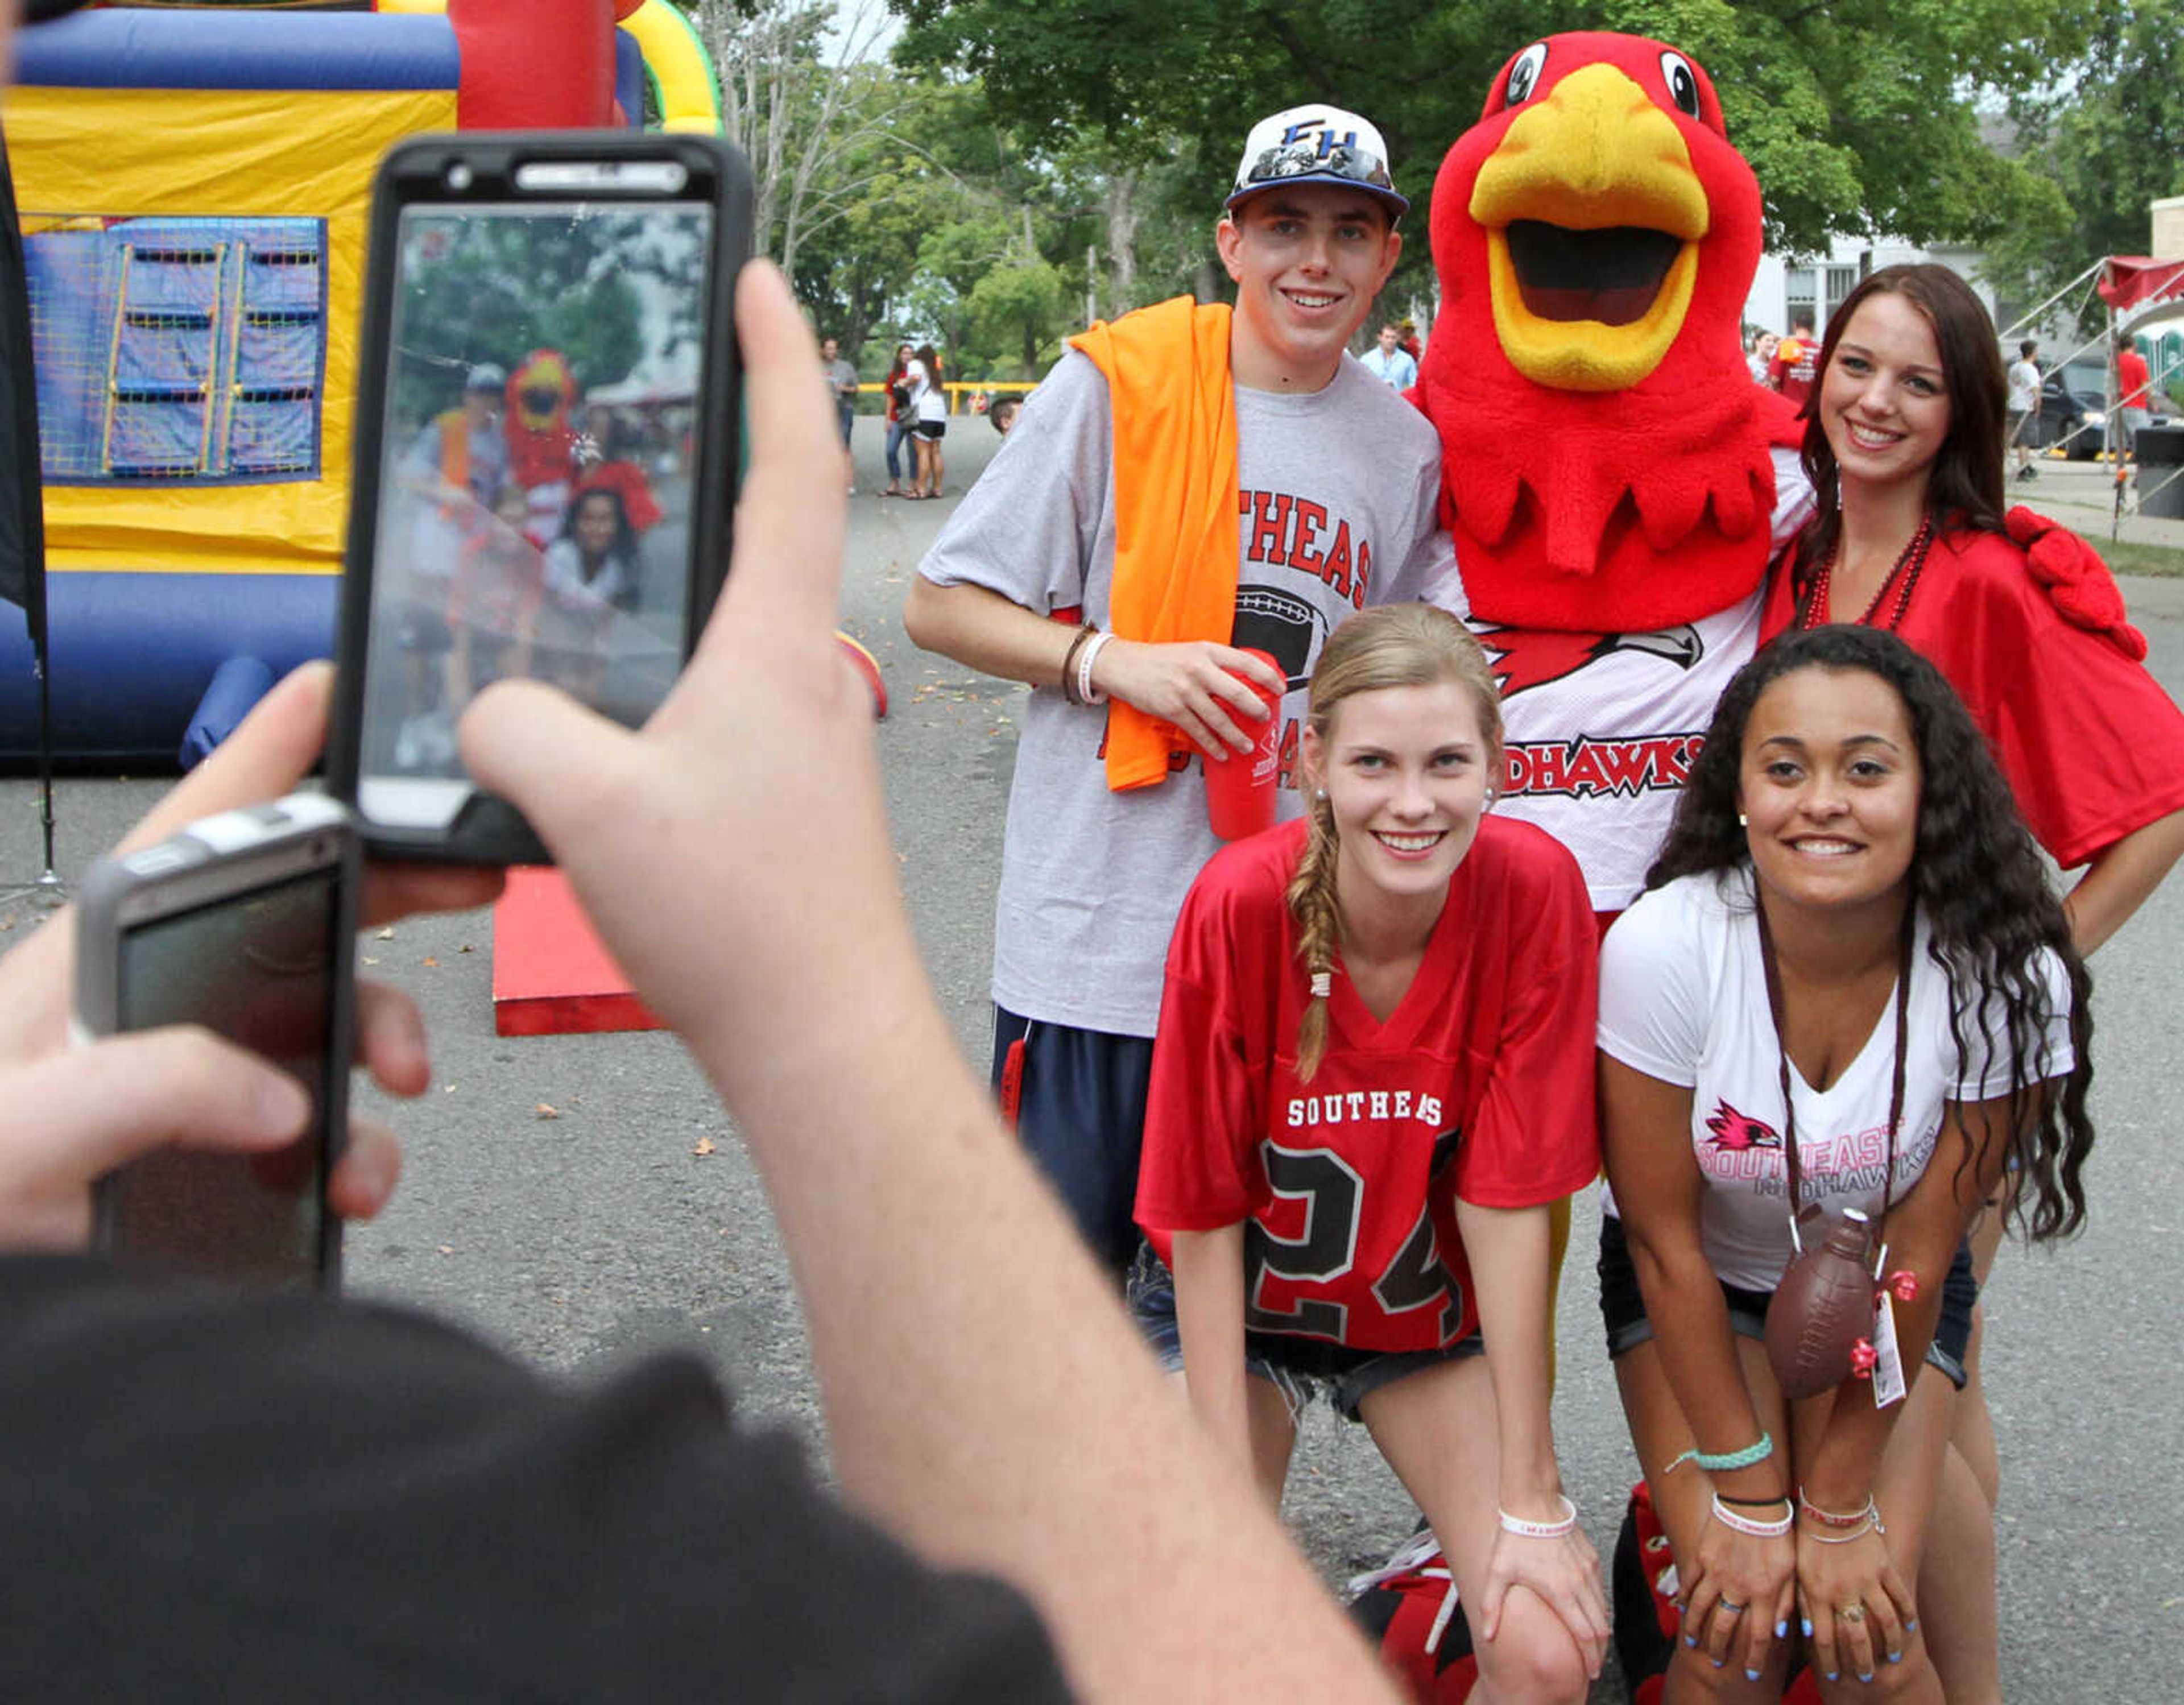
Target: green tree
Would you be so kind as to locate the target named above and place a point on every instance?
(1856, 117)
(2105, 141)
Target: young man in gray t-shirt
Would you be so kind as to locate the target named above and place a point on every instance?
(1337, 480)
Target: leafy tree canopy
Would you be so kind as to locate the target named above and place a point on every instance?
(1859, 116)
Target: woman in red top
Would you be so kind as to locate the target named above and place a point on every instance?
(1369, 1081)
(1904, 444)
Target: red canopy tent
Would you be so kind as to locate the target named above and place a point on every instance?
(2138, 281)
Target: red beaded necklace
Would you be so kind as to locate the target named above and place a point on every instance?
(1815, 612)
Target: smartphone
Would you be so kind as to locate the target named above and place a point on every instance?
(545, 452)
(245, 923)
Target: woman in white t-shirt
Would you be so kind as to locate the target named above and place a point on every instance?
(928, 401)
(1847, 914)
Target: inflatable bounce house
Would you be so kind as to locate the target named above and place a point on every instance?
(193, 186)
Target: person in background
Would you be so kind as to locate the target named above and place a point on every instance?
(901, 419)
(2134, 393)
(1388, 362)
(1003, 414)
(929, 400)
(2023, 382)
(1794, 363)
(842, 386)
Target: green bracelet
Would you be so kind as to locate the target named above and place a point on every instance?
(1730, 1461)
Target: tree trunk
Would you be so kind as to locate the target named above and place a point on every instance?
(1123, 242)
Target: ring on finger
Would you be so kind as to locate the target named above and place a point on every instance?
(1852, 1613)
(1730, 1605)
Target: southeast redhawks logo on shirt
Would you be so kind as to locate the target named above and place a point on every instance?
(1583, 765)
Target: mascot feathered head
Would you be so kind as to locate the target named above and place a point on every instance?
(541, 393)
(1605, 452)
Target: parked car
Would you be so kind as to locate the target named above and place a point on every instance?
(2071, 417)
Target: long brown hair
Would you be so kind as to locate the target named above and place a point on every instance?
(1965, 488)
(1396, 645)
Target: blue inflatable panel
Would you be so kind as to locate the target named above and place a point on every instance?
(133, 655)
(236, 685)
(630, 78)
(249, 50)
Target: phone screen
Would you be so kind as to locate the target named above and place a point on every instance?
(539, 440)
(256, 968)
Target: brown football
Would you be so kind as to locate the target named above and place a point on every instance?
(1821, 1308)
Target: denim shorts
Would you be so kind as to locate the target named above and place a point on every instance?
(1299, 1369)
(1623, 1306)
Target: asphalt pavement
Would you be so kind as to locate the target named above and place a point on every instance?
(579, 1199)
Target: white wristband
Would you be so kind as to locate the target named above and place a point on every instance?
(1086, 692)
(1556, 1530)
(1737, 1521)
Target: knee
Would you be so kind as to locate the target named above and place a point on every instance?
(1535, 1662)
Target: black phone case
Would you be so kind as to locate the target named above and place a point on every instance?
(414, 172)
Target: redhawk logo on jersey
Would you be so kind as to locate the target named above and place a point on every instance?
(1527, 657)
(1737, 1132)
(1585, 768)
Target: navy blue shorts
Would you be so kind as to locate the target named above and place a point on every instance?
(1623, 1304)
(1299, 1369)
(1080, 1111)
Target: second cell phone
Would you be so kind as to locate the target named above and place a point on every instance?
(546, 452)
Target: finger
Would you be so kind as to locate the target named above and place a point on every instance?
(1212, 716)
(1826, 1657)
(1904, 1602)
(363, 1178)
(390, 1040)
(558, 763)
(101, 1106)
(790, 522)
(1759, 1632)
(1489, 1606)
(1238, 696)
(393, 890)
(1243, 662)
(1884, 1626)
(271, 750)
(1721, 1630)
(1854, 1643)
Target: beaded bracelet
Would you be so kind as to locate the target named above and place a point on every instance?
(1729, 1461)
(1757, 1529)
(1087, 694)
(1554, 1529)
(1069, 663)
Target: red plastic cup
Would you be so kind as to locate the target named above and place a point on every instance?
(1239, 793)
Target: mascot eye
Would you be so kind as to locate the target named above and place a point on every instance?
(1683, 82)
(1524, 74)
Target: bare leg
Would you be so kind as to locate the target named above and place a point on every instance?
(1437, 1430)
(1956, 1597)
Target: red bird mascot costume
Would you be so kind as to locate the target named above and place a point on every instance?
(1615, 483)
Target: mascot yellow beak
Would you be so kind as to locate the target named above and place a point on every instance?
(1593, 217)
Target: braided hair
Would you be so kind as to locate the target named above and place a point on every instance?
(1976, 875)
(1395, 645)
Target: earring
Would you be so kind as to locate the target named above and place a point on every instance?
(1319, 792)
(1742, 820)
(1491, 795)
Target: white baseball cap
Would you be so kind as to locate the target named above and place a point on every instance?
(487, 375)
(1315, 145)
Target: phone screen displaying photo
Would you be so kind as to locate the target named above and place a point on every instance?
(535, 504)
(257, 970)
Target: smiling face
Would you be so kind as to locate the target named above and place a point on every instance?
(595, 526)
(1830, 782)
(1406, 771)
(1884, 396)
(1308, 260)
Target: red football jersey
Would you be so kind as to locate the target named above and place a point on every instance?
(2092, 745)
(1480, 1085)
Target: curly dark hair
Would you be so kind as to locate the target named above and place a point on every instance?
(1965, 488)
(1976, 875)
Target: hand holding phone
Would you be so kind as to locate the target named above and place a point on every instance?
(76, 1114)
(545, 452)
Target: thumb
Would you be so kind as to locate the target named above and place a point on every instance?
(557, 762)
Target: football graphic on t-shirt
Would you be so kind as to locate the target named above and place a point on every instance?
(1280, 624)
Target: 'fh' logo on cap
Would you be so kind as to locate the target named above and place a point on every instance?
(1327, 141)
